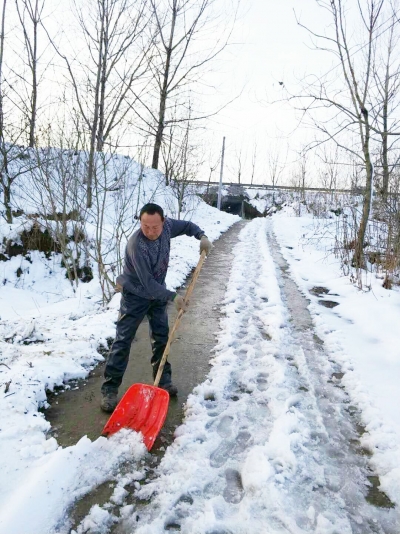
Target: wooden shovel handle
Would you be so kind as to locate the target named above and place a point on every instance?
(186, 298)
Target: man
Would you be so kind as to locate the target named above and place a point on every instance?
(144, 293)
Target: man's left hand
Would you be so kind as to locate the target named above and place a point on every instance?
(205, 244)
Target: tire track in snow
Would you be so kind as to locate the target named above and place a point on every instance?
(265, 446)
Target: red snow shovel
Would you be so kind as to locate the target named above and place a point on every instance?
(144, 408)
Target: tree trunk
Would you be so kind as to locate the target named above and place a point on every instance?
(358, 258)
(32, 121)
(385, 163)
(3, 19)
(161, 118)
(94, 129)
(164, 92)
(7, 201)
(4, 178)
(103, 67)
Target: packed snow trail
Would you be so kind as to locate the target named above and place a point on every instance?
(269, 443)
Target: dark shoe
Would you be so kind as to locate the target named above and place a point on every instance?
(172, 390)
(109, 401)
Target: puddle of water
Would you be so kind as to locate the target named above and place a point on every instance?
(338, 376)
(328, 303)
(317, 340)
(318, 291)
(100, 495)
(377, 497)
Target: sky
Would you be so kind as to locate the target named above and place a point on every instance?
(268, 54)
(271, 48)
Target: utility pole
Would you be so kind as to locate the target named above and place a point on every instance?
(220, 175)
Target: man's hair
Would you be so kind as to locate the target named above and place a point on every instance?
(151, 209)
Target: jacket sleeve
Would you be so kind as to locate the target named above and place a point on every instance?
(142, 267)
(186, 228)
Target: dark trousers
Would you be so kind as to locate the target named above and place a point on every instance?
(132, 312)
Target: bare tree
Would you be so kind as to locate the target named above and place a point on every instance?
(30, 17)
(14, 161)
(182, 162)
(102, 80)
(330, 172)
(301, 175)
(239, 165)
(340, 114)
(180, 61)
(57, 194)
(212, 168)
(253, 163)
(386, 73)
(275, 166)
(113, 212)
(2, 36)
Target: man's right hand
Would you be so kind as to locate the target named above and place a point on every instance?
(180, 303)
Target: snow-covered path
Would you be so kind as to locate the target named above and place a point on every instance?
(270, 440)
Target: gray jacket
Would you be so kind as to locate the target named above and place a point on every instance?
(146, 261)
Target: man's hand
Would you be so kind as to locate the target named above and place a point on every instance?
(118, 288)
(180, 303)
(205, 244)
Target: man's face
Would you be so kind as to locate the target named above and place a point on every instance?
(151, 225)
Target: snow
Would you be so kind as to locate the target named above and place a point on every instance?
(57, 479)
(265, 443)
(50, 333)
(260, 448)
(361, 333)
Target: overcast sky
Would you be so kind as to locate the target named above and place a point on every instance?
(271, 48)
(267, 47)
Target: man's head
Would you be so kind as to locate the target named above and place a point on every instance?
(152, 221)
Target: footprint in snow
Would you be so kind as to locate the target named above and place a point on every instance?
(233, 492)
(224, 427)
(241, 441)
(226, 449)
(262, 381)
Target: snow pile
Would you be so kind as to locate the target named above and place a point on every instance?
(316, 203)
(59, 477)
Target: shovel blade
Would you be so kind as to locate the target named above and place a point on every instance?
(143, 408)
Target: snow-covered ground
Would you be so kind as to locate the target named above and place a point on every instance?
(269, 442)
(360, 333)
(50, 334)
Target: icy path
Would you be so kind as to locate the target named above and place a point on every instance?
(270, 441)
